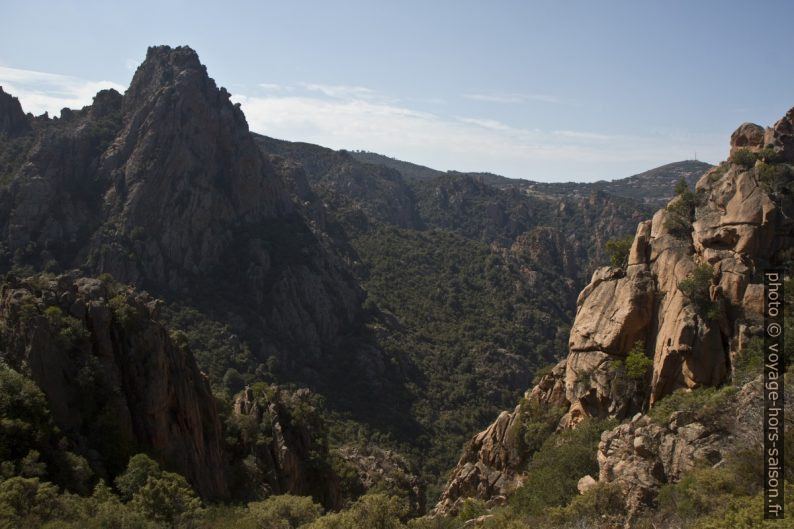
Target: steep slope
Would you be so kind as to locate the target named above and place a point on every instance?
(366, 191)
(13, 121)
(165, 188)
(683, 313)
(474, 284)
(118, 383)
(115, 381)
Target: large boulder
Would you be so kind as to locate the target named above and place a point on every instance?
(748, 136)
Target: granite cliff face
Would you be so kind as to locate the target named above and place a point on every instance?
(689, 298)
(741, 222)
(116, 382)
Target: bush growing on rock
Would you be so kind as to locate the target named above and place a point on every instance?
(749, 363)
(681, 210)
(696, 287)
(618, 251)
(602, 502)
(704, 403)
(638, 365)
(744, 157)
(555, 469)
(538, 421)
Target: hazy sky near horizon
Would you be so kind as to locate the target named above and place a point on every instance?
(550, 91)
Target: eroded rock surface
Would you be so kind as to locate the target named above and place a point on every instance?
(739, 221)
(115, 381)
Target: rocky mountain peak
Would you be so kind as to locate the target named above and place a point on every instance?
(184, 166)
(166, 67)
(13, 120)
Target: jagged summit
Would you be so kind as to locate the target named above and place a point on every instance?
(168, 70)
(13, 120)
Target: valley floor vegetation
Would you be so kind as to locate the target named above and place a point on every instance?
(145, 496)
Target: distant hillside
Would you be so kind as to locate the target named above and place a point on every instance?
(653, 187)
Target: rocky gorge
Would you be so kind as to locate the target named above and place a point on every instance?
(269, 320)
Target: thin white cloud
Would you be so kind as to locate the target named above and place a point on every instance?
(40, 92)
(273, 87)
(464, 143)
(486, 123)
(584, 135)
(512, 98)
(339, 91)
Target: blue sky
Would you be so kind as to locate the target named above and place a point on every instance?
(549, 91)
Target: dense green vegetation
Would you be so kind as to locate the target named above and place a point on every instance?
(469, 323)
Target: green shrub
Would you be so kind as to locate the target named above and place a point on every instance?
(471, 508)
(373, 511)
(717, 498)
(749, 363)
(555, 469)
(233, 381)
(601, 501)
(542, 372)
(696, 287)
(69, 329)
(744, 157)
(703, 403)
(284, 512)
(27, 502)
(25, 420)
(772, 175)
(638, 365)
(139, 468)
(122, 311)
(618, 251)
(681, 210)
(167, 499)
(537, 422)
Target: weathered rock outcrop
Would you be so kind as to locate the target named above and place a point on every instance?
(12, 120)
(384, 470)
(740, 224)
(184, 171)
(116, 383)
(642, 455)
(690, 296)
(287, 437)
